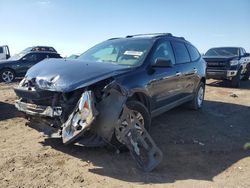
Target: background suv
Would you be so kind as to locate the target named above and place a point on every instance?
(228, 63)
(17, 66)
(110, 93)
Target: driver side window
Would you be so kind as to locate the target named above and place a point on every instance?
(163, 51)
(31, 57)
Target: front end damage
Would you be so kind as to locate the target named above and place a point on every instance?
(89, 116)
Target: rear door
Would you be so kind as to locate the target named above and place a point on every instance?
(185, 67)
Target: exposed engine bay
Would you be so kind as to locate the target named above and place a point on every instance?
(90, 116)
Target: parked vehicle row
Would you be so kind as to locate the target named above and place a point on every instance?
(109, 94)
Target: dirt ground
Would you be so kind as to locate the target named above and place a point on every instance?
(201, 149)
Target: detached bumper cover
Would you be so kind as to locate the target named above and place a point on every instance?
(33, 109)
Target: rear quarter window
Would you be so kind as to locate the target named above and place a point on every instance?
(1, 50)
(194, 53)
(181, 52)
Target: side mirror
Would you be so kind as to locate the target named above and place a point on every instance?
(160, 62)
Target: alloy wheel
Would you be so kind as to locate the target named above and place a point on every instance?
(7, 76)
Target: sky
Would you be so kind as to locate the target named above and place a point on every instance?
(73, 26)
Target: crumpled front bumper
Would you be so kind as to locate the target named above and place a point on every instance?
(39, 110)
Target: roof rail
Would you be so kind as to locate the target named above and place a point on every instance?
(156, 35)
(114, 38)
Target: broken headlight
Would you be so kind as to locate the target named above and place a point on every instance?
(80, 119)
(44, 83)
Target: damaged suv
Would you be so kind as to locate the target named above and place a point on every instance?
(110, 93)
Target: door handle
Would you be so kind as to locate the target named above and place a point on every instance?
(195, 70)
(178, 74)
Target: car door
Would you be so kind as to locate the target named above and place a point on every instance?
(164, 85)
(185, 68)
(193, 67)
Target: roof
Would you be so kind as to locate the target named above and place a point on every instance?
(151, 35)
(42, 49)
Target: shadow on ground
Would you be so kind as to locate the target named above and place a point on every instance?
(227, 84)
(8, 111)
(196, 145)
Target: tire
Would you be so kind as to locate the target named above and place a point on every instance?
(235, 82)
(7, 75)
(247, 74)
(198, 99)
(138, 107)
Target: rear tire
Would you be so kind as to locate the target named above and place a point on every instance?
(198, 99)
(7, 75)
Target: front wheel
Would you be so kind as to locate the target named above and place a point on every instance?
(247, 74)
(7, 75)
(138, 113)
(235, 82)
(198, 99)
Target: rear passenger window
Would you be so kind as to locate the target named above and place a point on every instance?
(195, 55)
(181, 53)
(1, 50)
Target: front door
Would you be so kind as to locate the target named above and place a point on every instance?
(164, 86)
(26, 62)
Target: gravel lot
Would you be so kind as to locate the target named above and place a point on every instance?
(201, 149)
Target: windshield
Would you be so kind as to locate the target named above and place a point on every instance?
(223, 52)
(20, 55)
(129, 52)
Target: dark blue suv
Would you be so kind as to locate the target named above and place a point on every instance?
(17, 65)
(109, 94)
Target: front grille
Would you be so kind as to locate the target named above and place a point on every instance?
(216, 64)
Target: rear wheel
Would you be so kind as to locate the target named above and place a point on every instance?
(7, 75)
(137, 112)
(197, 101)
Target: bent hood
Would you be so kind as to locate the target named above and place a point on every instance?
(68, 75)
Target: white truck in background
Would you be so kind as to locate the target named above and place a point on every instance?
(4, 52)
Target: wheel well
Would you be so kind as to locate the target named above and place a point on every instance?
(141, 97)
(7, 69)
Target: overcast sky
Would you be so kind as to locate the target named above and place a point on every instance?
(74, 26)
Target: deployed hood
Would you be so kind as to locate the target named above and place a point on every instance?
(67, 75)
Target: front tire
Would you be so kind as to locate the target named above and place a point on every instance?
(247, 74)
(7, 75)
(235, 82)
(139, 111)
(198, 99)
